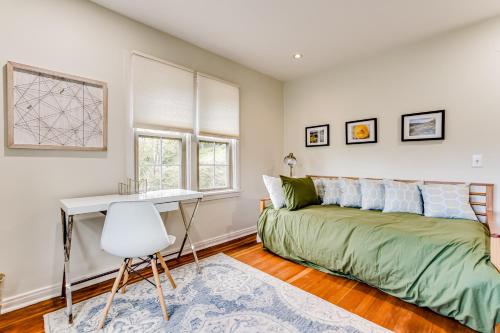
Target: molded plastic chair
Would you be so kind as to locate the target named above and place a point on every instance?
(134, 229)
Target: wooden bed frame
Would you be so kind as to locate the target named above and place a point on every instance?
(481, 200)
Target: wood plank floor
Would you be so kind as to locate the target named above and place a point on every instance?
(358, 298)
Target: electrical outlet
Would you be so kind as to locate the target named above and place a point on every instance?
(477, 161)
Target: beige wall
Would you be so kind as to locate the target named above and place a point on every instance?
(459, 72)
(80, 38)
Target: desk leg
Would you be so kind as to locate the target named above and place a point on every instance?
(187, 226)
(66, 289)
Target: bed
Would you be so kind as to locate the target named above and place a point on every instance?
(449, 266)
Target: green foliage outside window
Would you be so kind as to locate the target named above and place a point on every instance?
(213, 159)
(159, 161)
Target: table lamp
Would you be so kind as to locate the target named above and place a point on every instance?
(290, 160)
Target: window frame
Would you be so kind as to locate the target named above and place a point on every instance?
(230, 166)
(138, 132)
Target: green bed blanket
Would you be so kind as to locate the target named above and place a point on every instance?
(441, 264)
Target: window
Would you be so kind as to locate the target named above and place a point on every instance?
(186, 128)
(214, 159)
(159, 161)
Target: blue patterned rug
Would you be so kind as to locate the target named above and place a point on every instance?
(228, 296)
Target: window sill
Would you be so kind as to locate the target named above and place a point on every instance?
(217, 195)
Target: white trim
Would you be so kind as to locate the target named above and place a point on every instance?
(41, 294)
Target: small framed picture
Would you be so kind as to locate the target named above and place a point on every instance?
(317, 136)
(361, 131)
(422, 126)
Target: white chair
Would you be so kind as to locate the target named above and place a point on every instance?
(134, 229)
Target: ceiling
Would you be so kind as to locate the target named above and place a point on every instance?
(263, 34)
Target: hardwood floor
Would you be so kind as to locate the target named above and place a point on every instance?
(358, 298)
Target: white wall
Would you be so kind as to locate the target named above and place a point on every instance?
(81, 38)
(459, 72)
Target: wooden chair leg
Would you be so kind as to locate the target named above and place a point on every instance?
(112, 295)
(125, 276)
(159, 289)
(165, 268)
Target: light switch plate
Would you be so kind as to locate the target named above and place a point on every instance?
(477, 161)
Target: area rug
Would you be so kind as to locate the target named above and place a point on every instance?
(227, 296)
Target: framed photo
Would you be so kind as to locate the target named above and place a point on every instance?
(318, 136)
(51, 110)
(423, 126)
(361, 131)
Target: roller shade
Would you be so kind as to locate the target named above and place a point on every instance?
(163, 95)
(218, 107)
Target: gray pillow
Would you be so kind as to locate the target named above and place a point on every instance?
(448, 201)
(402, 197)
(350, 192)
(372, 194)
(331, 188)
(320, 187)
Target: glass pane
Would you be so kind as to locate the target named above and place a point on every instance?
(149, 151)
(171, 152)
(206, 177)
(221, 155)
(170, 177)
(152, 174)
(221, 177)
(206, 153)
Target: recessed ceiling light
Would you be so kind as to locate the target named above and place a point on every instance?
(297, 55)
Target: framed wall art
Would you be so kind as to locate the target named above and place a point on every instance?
(423, 126)
(361, 131)
(317, 136)
(51, 110)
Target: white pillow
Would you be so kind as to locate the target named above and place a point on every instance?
(372, 194)
(273, 186)
(320, 188)
(448, 201)
(350, 193)
(402, 197)
(331, 190)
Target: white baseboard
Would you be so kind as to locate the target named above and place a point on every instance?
(34, 296)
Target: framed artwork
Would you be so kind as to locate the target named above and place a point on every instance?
(51, 110)
(317, 136)
(423, 126)
(361, 131)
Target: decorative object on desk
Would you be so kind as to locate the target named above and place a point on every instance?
(133, 186)
(229, 296)
(423, 126)
(290, 160)
(51, 110)
(317, 136)
(361, 131)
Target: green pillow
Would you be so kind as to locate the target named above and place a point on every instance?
(299, 192)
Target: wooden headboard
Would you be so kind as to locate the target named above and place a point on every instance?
(481, 194)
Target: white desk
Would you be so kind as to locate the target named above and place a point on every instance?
(164, 200)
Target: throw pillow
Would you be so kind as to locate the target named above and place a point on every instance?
(299, 192)
(372, 194)
(350, 192)
(448, 201)
(275, 190)
(402, 197)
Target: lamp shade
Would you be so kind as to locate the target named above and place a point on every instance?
(290, 160)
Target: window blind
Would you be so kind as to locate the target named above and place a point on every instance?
(163, 95)
(218, 107)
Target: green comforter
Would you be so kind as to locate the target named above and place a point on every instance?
(437, 263)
